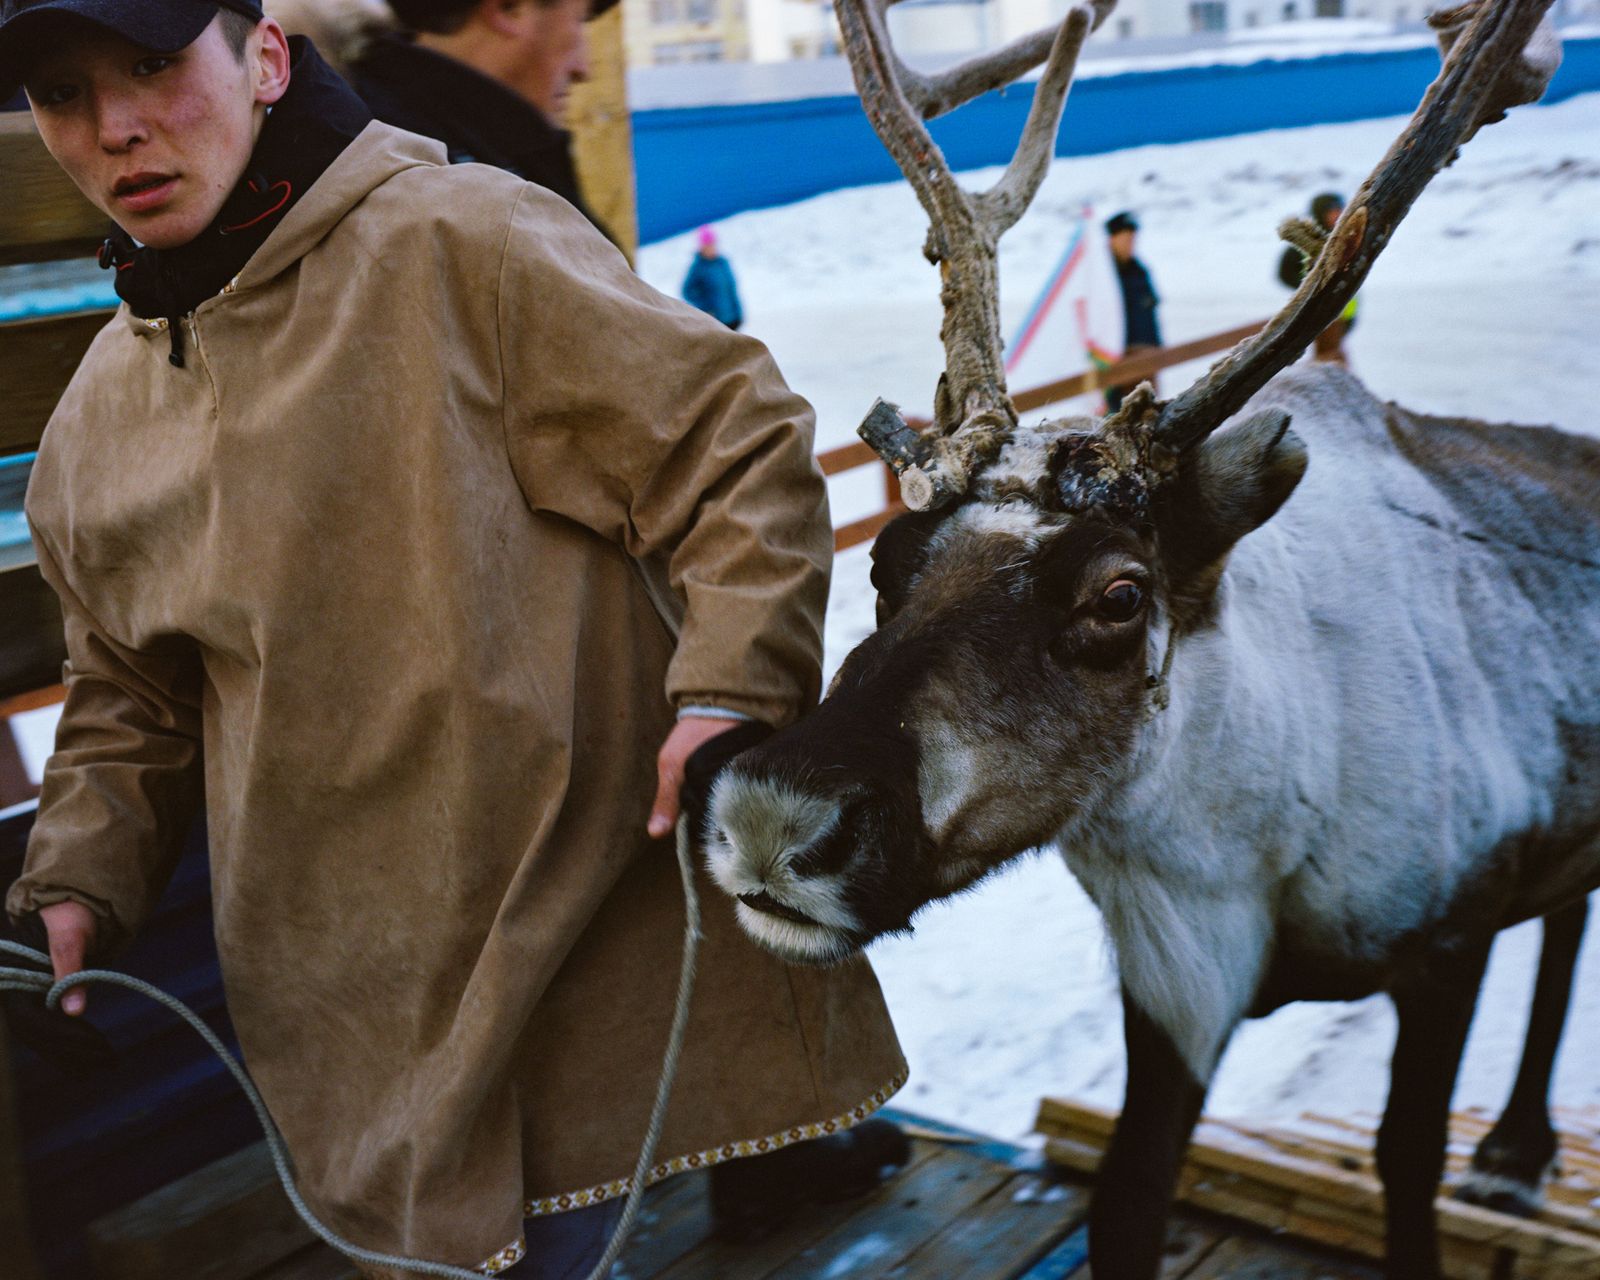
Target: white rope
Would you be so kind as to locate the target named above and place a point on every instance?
(15, 979)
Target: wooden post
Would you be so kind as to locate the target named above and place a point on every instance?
(603, 135)
(15, 784)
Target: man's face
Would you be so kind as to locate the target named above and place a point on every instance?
(1122, 245)
(556, 49)
(157, 140)
(1332, 215)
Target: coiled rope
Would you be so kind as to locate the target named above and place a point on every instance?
(16, 979)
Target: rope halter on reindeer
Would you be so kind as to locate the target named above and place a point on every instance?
(1495, 57)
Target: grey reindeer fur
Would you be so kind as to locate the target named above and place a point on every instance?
(1374, 744)
(1388, 723)
(1397, 708)
(1304, 687)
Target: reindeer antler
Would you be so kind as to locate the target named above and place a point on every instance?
(973, 414)
(1494, 59)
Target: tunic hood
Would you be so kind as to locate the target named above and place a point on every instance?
(378, 154)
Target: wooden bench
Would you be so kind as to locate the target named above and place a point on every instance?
(42, 219)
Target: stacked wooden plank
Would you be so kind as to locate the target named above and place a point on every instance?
(228, 1221)
(1315, 1180)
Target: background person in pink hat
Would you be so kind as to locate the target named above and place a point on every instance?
(709, 284)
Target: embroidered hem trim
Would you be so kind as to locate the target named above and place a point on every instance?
(715, 1155)
(506, 1258)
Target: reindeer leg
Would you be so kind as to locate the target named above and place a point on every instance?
(1435, 1008)
(1511, 1161)
(1134, 1188)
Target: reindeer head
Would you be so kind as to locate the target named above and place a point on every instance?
(1020, 649)
(1029, 601)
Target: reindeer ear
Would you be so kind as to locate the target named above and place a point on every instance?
(1229, 486)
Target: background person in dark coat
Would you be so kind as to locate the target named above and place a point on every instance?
(709, 285)
(1328, 346)
(488, 79)
(1139, 298)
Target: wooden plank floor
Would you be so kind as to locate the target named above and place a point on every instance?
(968, 1209)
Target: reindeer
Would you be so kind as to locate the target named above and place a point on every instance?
(1304, 686)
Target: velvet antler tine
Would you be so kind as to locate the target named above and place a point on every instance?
(1485, 72)
(880, 84)
(1009, 198)
(935, 95)
(973, 414)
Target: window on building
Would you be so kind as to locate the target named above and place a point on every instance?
(1250, 19)
(1124, 28)
(1291, 11)
(1209, 15)
(664, 12)
(701, 10)
(681, 51)
(1330, 8)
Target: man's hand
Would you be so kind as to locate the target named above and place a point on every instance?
(688, 734)
(70, 1043)
(71, 927)
(706, 763)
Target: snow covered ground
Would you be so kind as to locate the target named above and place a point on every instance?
(1484, 303)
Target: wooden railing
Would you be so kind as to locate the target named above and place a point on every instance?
(851, 456)
(43, 216)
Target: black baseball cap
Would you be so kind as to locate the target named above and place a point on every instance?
(163, 26)
(1123, 221)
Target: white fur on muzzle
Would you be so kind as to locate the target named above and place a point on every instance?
(759, 829)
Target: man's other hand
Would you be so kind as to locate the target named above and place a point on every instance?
(70, 1043)
(687, 736)
(71, 927)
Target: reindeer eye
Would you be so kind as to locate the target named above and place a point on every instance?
(1121, 600)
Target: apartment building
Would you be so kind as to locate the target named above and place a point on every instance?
(671, 32)
(662, 32)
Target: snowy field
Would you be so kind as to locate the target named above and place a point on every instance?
(1485, 303)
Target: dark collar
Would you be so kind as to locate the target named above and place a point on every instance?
(477, 118)
(306, 131)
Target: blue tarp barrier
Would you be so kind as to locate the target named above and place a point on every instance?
(699, 164)
(13, 485)
(31, 304)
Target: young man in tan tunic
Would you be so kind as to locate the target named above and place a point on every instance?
(395, 516)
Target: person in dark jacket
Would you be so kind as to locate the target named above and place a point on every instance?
(709, 285)
(488, 79)
(1328, 346)
(1142, 331)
